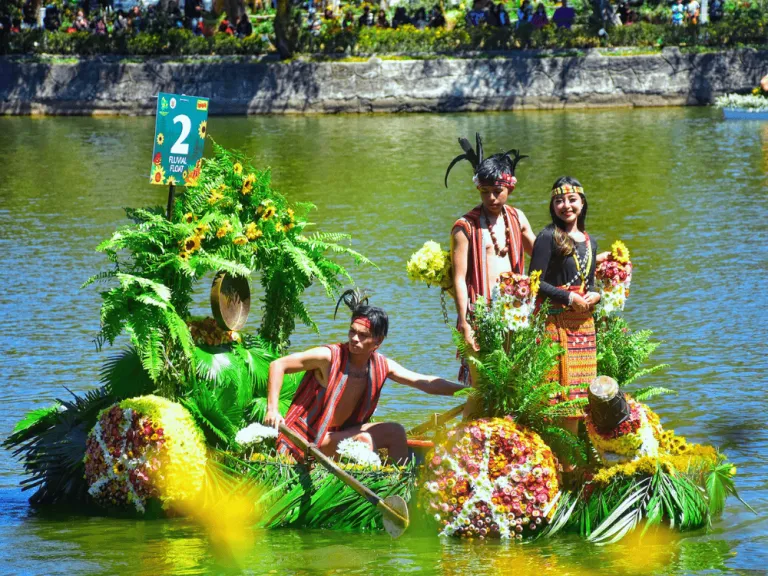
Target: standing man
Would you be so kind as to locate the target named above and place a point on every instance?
(491, 238)
(341, 389)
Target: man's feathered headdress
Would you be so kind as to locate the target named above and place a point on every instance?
(353, 299)
(476, 158)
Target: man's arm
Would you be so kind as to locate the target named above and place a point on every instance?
(312, 359)
(459, 258)
(525, 229)
(428, 384)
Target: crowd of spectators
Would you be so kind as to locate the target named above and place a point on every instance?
(103, 19)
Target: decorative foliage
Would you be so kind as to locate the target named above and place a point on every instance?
(145, 447)
(621, 352)
(491, 479)
(748, 102)
(292, 495)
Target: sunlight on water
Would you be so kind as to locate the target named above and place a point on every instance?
(685, 190)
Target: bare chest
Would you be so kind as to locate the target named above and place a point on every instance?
(354, 391)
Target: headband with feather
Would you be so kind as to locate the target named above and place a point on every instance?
(476, 157)
(352, 298)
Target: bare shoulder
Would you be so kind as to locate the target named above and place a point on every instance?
(523, 220)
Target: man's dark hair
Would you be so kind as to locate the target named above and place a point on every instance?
(357, 302)
(491, 169)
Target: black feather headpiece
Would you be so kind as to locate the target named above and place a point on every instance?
(353, 298)
(476, 157)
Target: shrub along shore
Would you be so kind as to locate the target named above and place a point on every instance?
(729, 33)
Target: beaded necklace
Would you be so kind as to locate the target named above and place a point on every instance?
(582, 268)
(500, 252)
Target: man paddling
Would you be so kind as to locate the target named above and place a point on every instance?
(341, 388)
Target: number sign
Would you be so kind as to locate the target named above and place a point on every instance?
(180, 129)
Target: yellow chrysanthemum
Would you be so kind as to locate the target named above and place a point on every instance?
(240, 240)
(619, 252)
(238, 168)
(430, 264)
(225, 229)
(252, 231)
(160, 139)
(192, 244)
(215, 197)
(279, 228)
(202, 130)
(290, 214)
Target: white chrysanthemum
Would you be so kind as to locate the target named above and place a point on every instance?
(359, 452)
(255, 434)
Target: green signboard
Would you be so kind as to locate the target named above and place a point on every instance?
(180, 129)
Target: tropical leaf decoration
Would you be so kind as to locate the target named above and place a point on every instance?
(622, 352)
(293, 495)
(511, 370)
(51, 446)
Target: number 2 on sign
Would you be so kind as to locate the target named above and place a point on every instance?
(179, 147)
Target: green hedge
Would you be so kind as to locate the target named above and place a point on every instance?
(745, 28)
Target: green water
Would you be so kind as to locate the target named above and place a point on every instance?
(685, 190)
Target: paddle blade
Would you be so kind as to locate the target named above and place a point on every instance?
(395, 524)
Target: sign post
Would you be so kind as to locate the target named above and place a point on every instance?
(181, 125)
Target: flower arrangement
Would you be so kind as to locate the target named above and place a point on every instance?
(145, 447)
(491, 479)
(514, 298)
(632, 439)
(749, 102)
(206, 331)
(431, 265)
(358, 452)
(255, 435)
(614, 276)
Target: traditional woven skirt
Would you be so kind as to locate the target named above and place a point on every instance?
(575, 332)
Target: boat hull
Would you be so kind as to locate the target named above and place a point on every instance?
(744, 114)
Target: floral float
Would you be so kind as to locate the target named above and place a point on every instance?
(613, 278)
(491, 479)
(143, 448)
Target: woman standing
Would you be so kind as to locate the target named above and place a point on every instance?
(567, 256)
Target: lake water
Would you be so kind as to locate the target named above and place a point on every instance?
(683, 189)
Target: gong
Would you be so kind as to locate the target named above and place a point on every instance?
(230, 301)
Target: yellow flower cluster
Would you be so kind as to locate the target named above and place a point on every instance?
(182, 472)
(646, 465)
(252, 231)
(431, 265)
(224, 229)
(535, 279)
(620, 252)
(248, 184)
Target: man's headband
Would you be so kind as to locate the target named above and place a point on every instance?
(567, 189)
(506, 179)
(362, 320)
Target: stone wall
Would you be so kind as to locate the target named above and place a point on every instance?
(516, 81)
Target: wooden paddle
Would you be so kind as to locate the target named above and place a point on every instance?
(436, 421)
(394, 508)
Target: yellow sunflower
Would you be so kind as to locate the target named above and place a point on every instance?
(224, 229)
(202, 230)
(171, 181)
(192, 244)
(158, 174)
(160, 139)
(290, 213)
(238, 168)
(240, 240)
(202, 130)
(269, 211)
(619, 252)
(252, 231)
(279, 227)
(189, 217)
(535, 281)
(215, 197)
(247, 187)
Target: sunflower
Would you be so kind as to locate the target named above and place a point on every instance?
(247, 187)
(252, 231)
(192, 244)
(158, 174)
(619, 252)
(202, 130)
(160, 139)
(202, 230)
(225, 229)
(215, 197)
(238, 168)
(184, 255)
(188, 217)
(279, 227)
(269, 211)
(240, 240)
(290, 213)
(171, 181)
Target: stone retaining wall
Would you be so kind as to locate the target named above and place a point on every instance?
(518, 81)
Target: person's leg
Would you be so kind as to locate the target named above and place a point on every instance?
(389, 435)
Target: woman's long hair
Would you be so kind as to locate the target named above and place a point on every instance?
(563, 243)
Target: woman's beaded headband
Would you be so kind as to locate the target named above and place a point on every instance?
(567, 189)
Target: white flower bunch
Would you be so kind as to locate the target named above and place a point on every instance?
(255, 434)
(750, 102)
(359, 452)
(612, 298)
(515, 313)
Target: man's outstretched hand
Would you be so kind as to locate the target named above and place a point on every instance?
(469, 336)
(273, 418)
